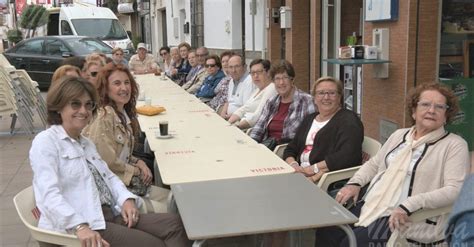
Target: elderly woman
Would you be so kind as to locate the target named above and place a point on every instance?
(74, 189)
(283, 113)
(214, 75)
(328, 140)
(422, 167)
(222, 88)
(115, 129)
(247, 115)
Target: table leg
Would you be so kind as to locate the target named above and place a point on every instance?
(158, 180)
(350, 235)
(198, 243)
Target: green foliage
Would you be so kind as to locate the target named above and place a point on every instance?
(135, 40)
(14, 35)
(111, 4)
(32, 17)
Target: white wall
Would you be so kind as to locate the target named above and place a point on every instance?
(222, 24)
(259, 26)
(173, 8)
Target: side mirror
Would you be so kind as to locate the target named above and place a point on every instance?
(66, 54)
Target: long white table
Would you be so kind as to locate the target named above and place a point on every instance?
(204, 146)
(252, 205)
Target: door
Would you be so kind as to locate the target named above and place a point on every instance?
(331, 32)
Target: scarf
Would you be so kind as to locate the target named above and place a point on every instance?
(386, 194)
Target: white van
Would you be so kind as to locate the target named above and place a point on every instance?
(96, 22)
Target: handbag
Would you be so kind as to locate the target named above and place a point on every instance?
(138, 187)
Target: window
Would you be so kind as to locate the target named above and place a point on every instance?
(31, 47)
(55, 48)
(65, 28)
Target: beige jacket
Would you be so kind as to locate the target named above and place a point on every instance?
(110, 137)
(436, 181)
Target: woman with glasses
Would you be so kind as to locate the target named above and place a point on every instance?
(283, 113)
(328, 140)
(247, 115)
(91, 71)
(165, 61)
(422, 167)
(75, 191)
(115, 130)
(214, 76)
(118, 56)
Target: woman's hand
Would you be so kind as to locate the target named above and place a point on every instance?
(130, 213)
(347, 192)
(309, 171)
(146, 174)
(90, 238)
(398, 220)
(316, 176)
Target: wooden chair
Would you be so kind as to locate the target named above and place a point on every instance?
(369, 146)
(421, 215)
(24, 203)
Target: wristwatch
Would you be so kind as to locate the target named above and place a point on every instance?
(316, 168)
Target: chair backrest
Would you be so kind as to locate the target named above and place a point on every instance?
(371, 146)
(280, 149)
(24, 203)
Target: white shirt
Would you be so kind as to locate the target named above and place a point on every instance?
(64, 187)
(315, 127)
(242, 93)
(251, 110)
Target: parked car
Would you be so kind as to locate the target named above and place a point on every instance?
(41, 56)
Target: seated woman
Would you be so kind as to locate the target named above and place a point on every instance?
(247, 115)
(422, 167)
(65, 70)
(115, 129)
(283, 113)
(328, 140)
(74, 189)
(213, 77)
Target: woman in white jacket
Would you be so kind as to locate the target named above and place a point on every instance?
(74, 189)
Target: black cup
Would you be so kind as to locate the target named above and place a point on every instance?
(163, 128)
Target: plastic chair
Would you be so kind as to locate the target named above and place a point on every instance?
(280, 149)
(421, 215)
(24, 203)
(369, 146)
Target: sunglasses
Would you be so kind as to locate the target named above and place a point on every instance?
(119, 54)
(77, 104)
(210, 65)
(94, 74)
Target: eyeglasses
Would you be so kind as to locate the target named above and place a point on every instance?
(118, 54)
(283, 78)
(423, 105)
(210, 65)
(77, 104)
(330, 94)
(94, 73)
(256, 72)
(163, 53)
(200, 55)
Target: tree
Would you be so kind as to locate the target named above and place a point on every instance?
(32, 17)
(14, 35)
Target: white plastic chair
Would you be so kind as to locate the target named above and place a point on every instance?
(24, 203)
(280, 149)
(369, 146)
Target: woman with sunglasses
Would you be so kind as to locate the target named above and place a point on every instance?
(74, 189)
(91, 71)
(115, 130)
(214, 75)
(117, 57)
(165, 59)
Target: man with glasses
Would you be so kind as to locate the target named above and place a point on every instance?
(142, 62)
(240, 87)
(117, 56)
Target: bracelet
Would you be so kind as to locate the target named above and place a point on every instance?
(79, 227)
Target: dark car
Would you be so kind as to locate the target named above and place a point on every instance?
(41, 56)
